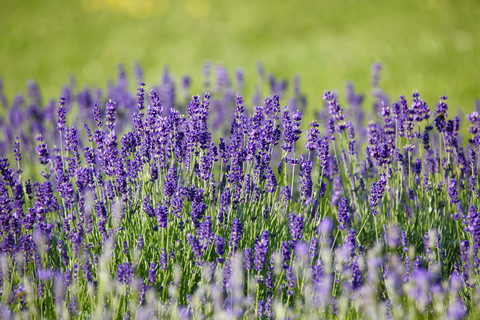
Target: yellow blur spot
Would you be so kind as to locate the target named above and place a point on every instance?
(137, 8)
(197, 8)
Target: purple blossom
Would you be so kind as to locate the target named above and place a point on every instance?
(312, 249)
(61, 114)
(6, 172)
(261, 250)
(204, 233)
(312, 136)
(288, 136)
(110, 110)
(236, 233)
(333, 106)
(291, 281)
(306, 178)
(356, 279)
(351, 241)
(473, 225)
(140, 242)
(16, 150)
(141, 96)
(42, 151)
(295, 224)
(343, 214)
(286, 248)
(452, 191)
(287, 194)
(124, 273)
(194, 245)
(170, 184)
(161, 213)
(247, 259)
(147, 207)
(220, 248)
(163, 260)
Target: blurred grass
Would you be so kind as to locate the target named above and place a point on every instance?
(430, 46)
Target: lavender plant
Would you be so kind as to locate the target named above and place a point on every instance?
(135, 208)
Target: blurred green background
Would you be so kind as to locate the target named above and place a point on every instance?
(427, 45)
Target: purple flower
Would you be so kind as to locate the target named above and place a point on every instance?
(16, 150)
(260, 309)
(333, 106)
(225, 198)
(147, 207)
(271, 184)
(170, 184)
(128, 143)
(312, 249)
(472, 161)
(291, 280)
(351, 147)
(452, 191)
(376, 193)
(124, 273)
(97, 117)
(351, 130)
(306, 179)
(87, 270)
(287, 194)
(141, 96)
(286, 248)
(6, 172)
(343, 214)
(220, 248)
(417, 167)
(331, 128)
(163, 260)
(140, 242)
(42, 151)
(236, 233)
(356, 279)
(473, 225)
(312, 136)
(154, 171)
(351, 241)
(288, 136)
(194, 245)
(248, 260)
(72, 143)
(110, 110)
(426, 140)
(61, 114)
(204, 233)
(295, 225)
(261, 250)
(419, 108)
(198, 208)
(161, 213)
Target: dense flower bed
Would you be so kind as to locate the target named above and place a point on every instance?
(169, 207)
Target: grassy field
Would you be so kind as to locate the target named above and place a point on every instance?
(429, 46)
(220, 209)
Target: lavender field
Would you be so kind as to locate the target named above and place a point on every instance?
(160, 202)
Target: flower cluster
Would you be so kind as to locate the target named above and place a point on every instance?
(213, 206)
